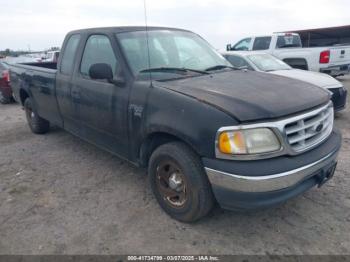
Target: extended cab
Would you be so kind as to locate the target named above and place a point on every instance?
(166, 100)
(333, 60)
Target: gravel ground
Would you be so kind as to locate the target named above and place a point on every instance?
(60, 195)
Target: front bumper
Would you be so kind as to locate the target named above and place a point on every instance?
(261, 183)
(336, 70)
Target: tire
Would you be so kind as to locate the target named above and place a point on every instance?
(4, 99)
(195, 199)
(37, 124)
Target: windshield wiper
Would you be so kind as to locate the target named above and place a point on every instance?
(173, 69)
(219, 67)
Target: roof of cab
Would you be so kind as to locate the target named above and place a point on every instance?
(119, 29)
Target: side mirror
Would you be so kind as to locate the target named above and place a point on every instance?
(104, 71)
(228, 47)
(101, 71)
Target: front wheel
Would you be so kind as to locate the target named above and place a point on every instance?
(179, 182)
(37, 124)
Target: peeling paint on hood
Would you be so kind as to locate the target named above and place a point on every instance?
(251, 96)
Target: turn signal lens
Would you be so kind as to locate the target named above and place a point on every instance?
(230, 142)
(224, 143)
(248, 141)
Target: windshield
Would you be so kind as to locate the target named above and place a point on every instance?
(266, 62)
(168, 49)
(285, 41)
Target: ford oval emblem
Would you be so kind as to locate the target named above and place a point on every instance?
(319, 128)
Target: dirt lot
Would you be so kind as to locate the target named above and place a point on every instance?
(59, 194)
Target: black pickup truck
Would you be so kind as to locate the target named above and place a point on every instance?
(164, 99)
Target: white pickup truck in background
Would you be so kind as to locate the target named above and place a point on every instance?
(333, 60)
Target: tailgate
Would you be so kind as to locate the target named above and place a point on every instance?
(340, 55)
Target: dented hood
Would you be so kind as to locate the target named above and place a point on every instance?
(250, 96)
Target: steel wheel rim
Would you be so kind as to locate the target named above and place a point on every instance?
(30, 113)
(171, 184)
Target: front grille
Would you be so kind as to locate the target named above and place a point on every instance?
(310, 129)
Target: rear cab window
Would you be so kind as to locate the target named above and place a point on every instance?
(288, 40)
(70, 50)
(262, 43)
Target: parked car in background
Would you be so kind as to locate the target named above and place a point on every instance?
(5, 88)
(334, 60)
(51, 56)
(264, 62)
(163, 98)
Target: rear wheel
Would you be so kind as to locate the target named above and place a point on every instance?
(179, 182)
(37, 124)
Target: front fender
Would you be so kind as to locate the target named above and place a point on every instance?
(187, 118)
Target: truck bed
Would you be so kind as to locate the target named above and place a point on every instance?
(39, 80)
(40, 66)
(48, 65)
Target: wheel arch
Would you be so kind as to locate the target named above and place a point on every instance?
(23, 95)
(297, 62)
(157, 138)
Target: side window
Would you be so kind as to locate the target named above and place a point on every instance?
(262, 43)
(69, 54)
(243, 44)
(288, 40)
(237, 61)
(98, 49)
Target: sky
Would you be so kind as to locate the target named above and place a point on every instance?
(41, 24)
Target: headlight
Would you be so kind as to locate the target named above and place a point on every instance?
(248, 141)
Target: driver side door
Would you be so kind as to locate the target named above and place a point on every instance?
(102, 106)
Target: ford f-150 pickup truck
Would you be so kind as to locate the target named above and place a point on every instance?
(164, 99)
(333, 60)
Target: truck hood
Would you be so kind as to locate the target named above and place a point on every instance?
(250, 96)
(318, 79)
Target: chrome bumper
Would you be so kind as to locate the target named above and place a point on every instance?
(268, 183)
(336, 70)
